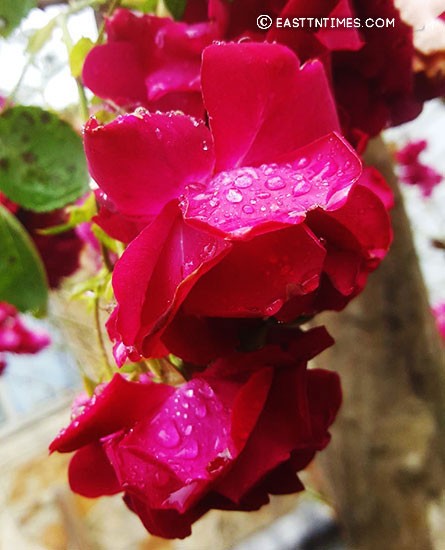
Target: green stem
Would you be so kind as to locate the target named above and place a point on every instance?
(109, 372)
(114, 4)
(83, 101)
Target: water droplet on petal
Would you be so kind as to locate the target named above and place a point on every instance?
(233, 195)
(214, 203)
(206, 391)
(264, 195)
(247, 209)
(189, 393)
(243, 182)
(188, 430)
(303, 162)
(168, 435)
(201, 410)
(274, 307)
(275, 183)
(190, 451)
(302, 188)
(161, 478)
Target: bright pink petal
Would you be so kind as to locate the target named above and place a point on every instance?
(261, 104)
(171, 454)
(257, 276)
(244, 202)
(118, 405)
(90, 473)
(142, 161)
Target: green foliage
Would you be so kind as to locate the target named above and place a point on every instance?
(77, 214)
(78, 54)
(42, 162)
(22, 275)
(145, 6)
(12, 12)
(176, 7)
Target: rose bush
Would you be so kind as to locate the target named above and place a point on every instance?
(226, 439)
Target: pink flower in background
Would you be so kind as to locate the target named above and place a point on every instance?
(150, 61)
(15, 337)
(241, 244)
(414, 172)
(178, 452)
(439, 313)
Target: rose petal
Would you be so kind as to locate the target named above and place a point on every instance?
(90, 473)
(257, 96)
(142, 161)
(118, 405)
(257, 276)
(248, 201)
(155, 274)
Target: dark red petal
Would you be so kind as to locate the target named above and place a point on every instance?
(119, 405)
(155, 274)
(259, 275)
(90, 473)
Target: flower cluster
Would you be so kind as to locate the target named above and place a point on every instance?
(15, 337)
(178, 452)
(245, 212)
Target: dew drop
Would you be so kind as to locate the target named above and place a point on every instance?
(274, 307)
(210, 248)
(201, 411)
(188, 430)
(214, 203)
(247, 209)
(303, 162)
(233, 195)
(190, 451)
(206, 391)
(275, 183)
(161, 478)
(264, 195)
(168, 435)
(243, 182)
(301, 188)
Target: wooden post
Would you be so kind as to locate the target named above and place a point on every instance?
(385, 464)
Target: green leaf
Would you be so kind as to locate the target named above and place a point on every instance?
(145, 6)
(78, 54)
(176, 7)
(40, 37)
(22, 275)
(42, 162)
(12, 12)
